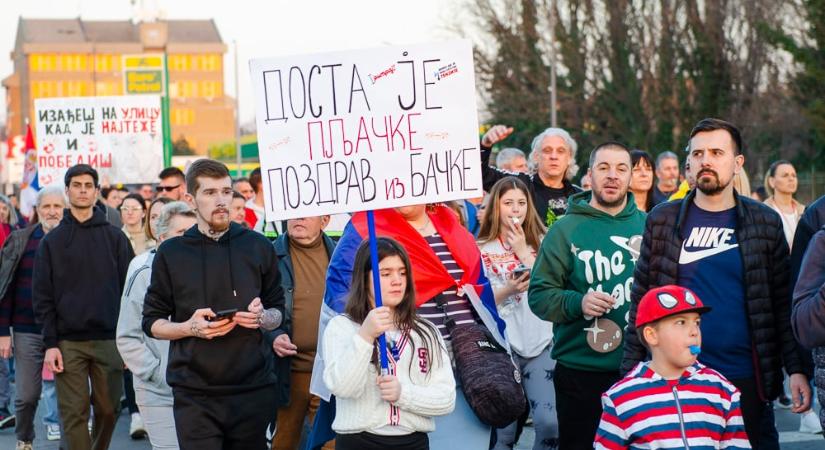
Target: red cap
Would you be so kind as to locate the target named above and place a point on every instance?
(667, 301)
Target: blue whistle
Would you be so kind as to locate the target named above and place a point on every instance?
(695, 349)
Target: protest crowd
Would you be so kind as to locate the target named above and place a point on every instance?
(634, 305)
(645, 302)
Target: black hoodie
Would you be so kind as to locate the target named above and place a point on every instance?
(79, 273)
(195, 271)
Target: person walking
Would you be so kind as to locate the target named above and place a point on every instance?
(211, 293)
(17, 314)
(79, 274)
(148, 358)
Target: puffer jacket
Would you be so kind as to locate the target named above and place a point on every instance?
(765, 260)
(808, 318)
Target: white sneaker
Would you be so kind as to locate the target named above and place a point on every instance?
(53, 432)
(809, 423)
(136, 430)
(24, 446)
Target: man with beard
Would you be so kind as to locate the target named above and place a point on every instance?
(731, 251)
(212, 292)
(79, 273)
(580, 282)
(172, 183)
(17, 313)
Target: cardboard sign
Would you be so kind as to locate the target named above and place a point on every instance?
(367, 129)
(121, 137)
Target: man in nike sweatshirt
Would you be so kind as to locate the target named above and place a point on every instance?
(79, 273)
(220, 368)
(581, 282)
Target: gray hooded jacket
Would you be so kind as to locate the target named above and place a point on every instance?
(145, 357)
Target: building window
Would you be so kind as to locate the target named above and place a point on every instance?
(188, 89)
(182, 116)
(211, 89)
(180, 62)
(107, 88)
(44, 89)
(42, 62)
(72, 62)
(107, 62)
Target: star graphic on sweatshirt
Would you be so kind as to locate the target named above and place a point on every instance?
(573, 249)
(595, 329)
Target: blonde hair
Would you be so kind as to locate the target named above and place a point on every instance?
(742, 183)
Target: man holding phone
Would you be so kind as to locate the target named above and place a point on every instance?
(212, 292)
(581, 282)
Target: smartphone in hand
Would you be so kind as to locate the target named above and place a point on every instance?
(519, 271)
(224, 314)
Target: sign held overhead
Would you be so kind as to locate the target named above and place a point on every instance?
(121, 137)
(367, 129)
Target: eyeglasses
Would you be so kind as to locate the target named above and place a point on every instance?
(166, 188)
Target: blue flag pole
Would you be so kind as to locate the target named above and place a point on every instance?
(376, 284)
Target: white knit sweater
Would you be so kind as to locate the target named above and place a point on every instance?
(352, 378)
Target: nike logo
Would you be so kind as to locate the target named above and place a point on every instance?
(270, 433)
(687, 256)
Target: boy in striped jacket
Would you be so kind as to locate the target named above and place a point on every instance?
(671, 401)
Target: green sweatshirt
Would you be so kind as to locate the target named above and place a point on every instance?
(587, 250)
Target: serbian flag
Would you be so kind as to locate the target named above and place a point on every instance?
(30, 185)
(429, 275)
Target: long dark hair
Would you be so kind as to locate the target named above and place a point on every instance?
(360, 302)
(636, 157)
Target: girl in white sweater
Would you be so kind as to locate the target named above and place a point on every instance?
(395, 410)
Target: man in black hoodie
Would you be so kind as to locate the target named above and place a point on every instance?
(79, 273)
(220, 366)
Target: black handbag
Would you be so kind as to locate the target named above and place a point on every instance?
(490, 380)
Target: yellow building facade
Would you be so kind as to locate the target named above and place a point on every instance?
(77, 58)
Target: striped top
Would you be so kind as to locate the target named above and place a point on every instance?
(458, 308)
(700, 410)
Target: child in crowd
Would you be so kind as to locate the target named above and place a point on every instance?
(510, 234)
(671, 401)
(394, 410)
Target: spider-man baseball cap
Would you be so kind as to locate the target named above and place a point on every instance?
(667, 301)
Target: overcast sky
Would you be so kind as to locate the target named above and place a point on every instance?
(261, 28)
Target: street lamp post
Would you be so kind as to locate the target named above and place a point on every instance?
(553, 118)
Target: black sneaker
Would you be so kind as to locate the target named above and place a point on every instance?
(7, 419)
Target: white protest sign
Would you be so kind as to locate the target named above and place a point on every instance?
(121, 137)
(367, 129)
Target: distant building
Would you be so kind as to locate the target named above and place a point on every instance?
(76, 57)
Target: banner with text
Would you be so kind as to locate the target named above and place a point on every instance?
(121, 137)
(367, 129)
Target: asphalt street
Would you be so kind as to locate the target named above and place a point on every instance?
(787, 424)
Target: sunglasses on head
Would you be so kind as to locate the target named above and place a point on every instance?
(166, 188)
